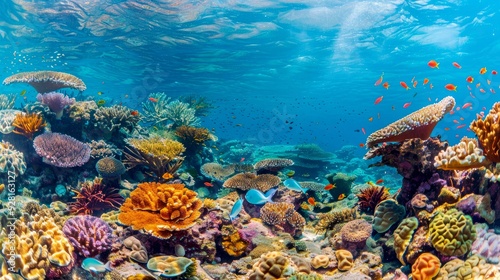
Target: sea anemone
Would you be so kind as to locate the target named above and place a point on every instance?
(28, 124)
(94, 197)
(369, 198)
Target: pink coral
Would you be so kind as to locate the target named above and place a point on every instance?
(55, 101)
(89, 235)
(61, 150)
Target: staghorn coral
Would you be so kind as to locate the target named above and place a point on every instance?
(159, 155)
(488, 131)
(452, 233)
(328, 220)
(11, 160)
(216, 171)
(56, 102)
(370, 197)
(110, 120)
(160, 209)
(82, 110)
(89, 235)
(109, 167)
(271, 165)
(462, 156)
(100, 149)
(61, 150)
(232, 241)
(7, 117)
(94, 196)
(425, 267)
(28, 124)
(403, 236)
(7, 101)
(247, 181)
(46, 81)
(418, 124)
(387, 213)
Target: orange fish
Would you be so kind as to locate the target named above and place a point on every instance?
(153, 99)
(311, 201)
(208, 184)
(379, 181)
(426, 81)
(167, 176)
(451, 87)
(379, 81)
(406, 105)
(494, 72)
(483, 71)
(461, 126)
(361, 145)
(363, 130)
(455, 121)
(482, 90)
(386, 85)
(457, 65)
(433, 64)
(134, 113)
(370, 119)
(379, 99)
(470, 79)
(329, 187)
(341, 196)
(466, 105)
(415, 83)
(446, 128)
(404, 85)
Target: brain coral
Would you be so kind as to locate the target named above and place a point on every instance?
(356, 231)
(426, 267)
(161, 208)
(11, 160)
(452, 233)
(109, 167)
(273, 265)
(387, 213)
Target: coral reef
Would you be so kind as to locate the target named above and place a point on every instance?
(109, 120)
(488, 131)
(94, 197)
(7, 117)
(61, 150)
(46, 81)
(370, 197)
(418, 124)
(452, 233)
(163, 112)
(232, 241)
(192, 137)
(160, 209)
(246, 181)
(89, 235)
(56, 102)
(100, 149)
(473, 267)
(355, 233)
(403, 235)
(271, 165)
(282, 214)
(329, 220)
(82, 110)
(28, 124)
(7, 101)
(11, 160)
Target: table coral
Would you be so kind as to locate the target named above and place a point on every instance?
(247, 180)
(160, 208)
(216, 171)
(46, 81)
(488, 131)
(387, 213)
(426, 267)
(462, 156)
(89, 235)
(418, 124)
(271, 165)
(452, 233)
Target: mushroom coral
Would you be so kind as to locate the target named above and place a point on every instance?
(160, 209)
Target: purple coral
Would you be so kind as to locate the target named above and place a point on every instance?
(89, 235)
(55, 101)
(487, 244)
(61, 150)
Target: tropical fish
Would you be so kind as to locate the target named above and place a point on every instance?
(235, 211)
(256, 197)
(290, 173)
(415, 83)
(492, 90)
(483, 71)
(426, 81)
(457, 65)
(101, 102)
(23, 92)
(370, 119)
(404, 85)
(95, 266)
(361, 145)
(379, 81)
(494, 72)
(431, 86)
(208, 184)
(433, 64)
(341, 196)
(311, 201)
(167, 176)
(379, 99)
(466, 105)
(294, 185)
(450, 87)
(379, 181)
(406, 105)
(470, 79)
(134, 113)
(100, 93)
(363, 130)
(386, 85)
(461, 126)
(154, 100)
(329, 187)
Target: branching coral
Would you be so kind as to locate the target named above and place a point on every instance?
(93, 197)
(161, 209)
(488, 133)
(89, 235)
(28, 124)
(159, 155)
(111, 119)
(100, 149)
(370, 197)
(162, 112)
(200, 104)
(82, 110)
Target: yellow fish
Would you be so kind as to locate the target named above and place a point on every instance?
(100, 93)
(23, 92)
(101, 102)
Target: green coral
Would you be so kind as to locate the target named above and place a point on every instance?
(452, 233)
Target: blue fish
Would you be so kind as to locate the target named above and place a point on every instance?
(294, 185)
(235, 211)
(95, 266)
(256, 197)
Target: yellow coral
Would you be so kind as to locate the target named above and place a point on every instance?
(273, 265)
(28, 124)
(232, 242)
(320, 261)
(160, 208)
(464, 155)
(158, 147)
(425, 267)
(452, 233)
(488, 133)
(345, 260)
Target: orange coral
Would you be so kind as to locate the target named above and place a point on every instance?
(232, 242)
(28, 124)
(418, 124)
(369, 198)
(160, 208)
(425, 267)
(488, 133)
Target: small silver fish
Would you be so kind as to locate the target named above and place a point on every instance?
(294, 185)
(256, 197)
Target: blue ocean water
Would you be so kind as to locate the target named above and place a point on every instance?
(277, 71)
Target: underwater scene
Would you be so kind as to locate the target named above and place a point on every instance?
(255, 139)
